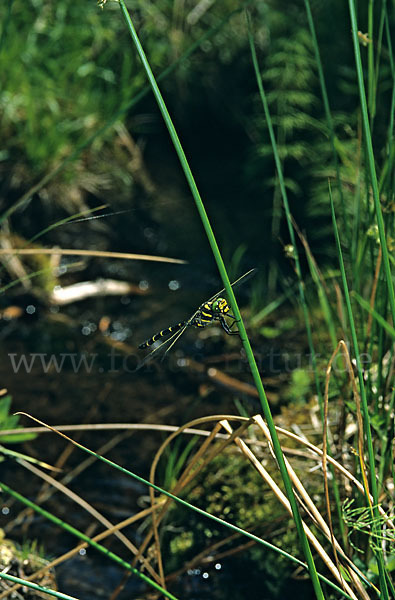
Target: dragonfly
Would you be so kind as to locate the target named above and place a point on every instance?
(215, 309)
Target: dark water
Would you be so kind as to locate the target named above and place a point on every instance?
(109, 390)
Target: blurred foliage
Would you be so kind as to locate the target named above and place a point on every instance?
(65, 72)
(299, 387)
(24, 560)
(60, 78)
(9, 421)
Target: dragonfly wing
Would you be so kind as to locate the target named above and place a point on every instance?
(173, 338)
(153, 352)
(176, 337)
(236, 283)
(179, 333)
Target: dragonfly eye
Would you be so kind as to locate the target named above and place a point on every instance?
(221, 305)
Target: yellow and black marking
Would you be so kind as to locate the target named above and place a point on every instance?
(212, 310)
(161, 334)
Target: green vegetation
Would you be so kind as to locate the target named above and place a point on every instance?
(282, 120)
(10, 421)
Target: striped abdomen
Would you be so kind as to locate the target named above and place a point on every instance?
(162, 334)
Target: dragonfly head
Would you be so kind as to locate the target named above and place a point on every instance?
(220, 305)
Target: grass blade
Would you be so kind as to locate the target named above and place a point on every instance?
(231, 296)
(327, 109)
(364, 404)
(35, 586)
(85, 538)
(370, 159)
(160, 490)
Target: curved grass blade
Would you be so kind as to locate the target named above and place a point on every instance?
(82, 536)
(166, 493)
(36, 587)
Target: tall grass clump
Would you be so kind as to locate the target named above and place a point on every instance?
(372, 219)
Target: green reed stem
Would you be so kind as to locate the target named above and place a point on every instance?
(328, 113)
(321, 293)
(85, 538)
(387, 441)
(35, 586)
(366, 306)
(371, 75)
(379, 38)
(364, 404)
(370, 159)
(388, 170)
(229, 290)
(180, 501)
(286, 208)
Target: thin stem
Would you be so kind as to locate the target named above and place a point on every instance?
(370, 159)
(362, 391)
(85, 538)
(371, 74)
(35, 586)
(229, 290)
(328, 113)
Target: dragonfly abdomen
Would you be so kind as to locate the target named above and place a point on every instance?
(162, 334)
